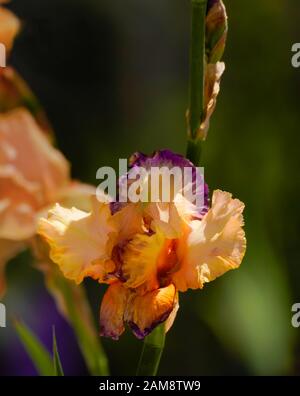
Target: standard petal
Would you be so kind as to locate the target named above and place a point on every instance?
(145, 312)
(79, 241)
(215, 245)
(112, 311)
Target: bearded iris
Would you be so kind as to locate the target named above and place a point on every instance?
(147, 252)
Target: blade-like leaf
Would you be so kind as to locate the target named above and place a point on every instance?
(38, 354)
(58, 370)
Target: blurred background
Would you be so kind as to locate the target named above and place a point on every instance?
(112, 76)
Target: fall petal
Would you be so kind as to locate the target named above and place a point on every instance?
(112, 311)
(145, 312)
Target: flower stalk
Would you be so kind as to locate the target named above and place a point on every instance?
(197, 78)
(208, 39)
(152, 351)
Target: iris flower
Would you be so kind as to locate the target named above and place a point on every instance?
(147, 253)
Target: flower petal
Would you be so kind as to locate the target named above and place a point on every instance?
(145, 312)
(79, 241)
(112, 311)
(215, 245)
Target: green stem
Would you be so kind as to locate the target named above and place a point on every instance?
(196, 84)
(152, 350)
(194, 150)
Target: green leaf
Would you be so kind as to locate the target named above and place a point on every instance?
(58, 370)
(38, 354)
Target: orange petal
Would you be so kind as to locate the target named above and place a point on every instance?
(112, 311)
(79, 241)
(215, 245)
(144, 313)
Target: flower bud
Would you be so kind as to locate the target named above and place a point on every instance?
(216, 30)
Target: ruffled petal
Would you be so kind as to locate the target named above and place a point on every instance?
(144, 313)
(112, 311)
(79, 241)
(215, 245)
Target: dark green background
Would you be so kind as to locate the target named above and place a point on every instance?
(112, 76)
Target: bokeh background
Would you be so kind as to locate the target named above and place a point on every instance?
(112, 76)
